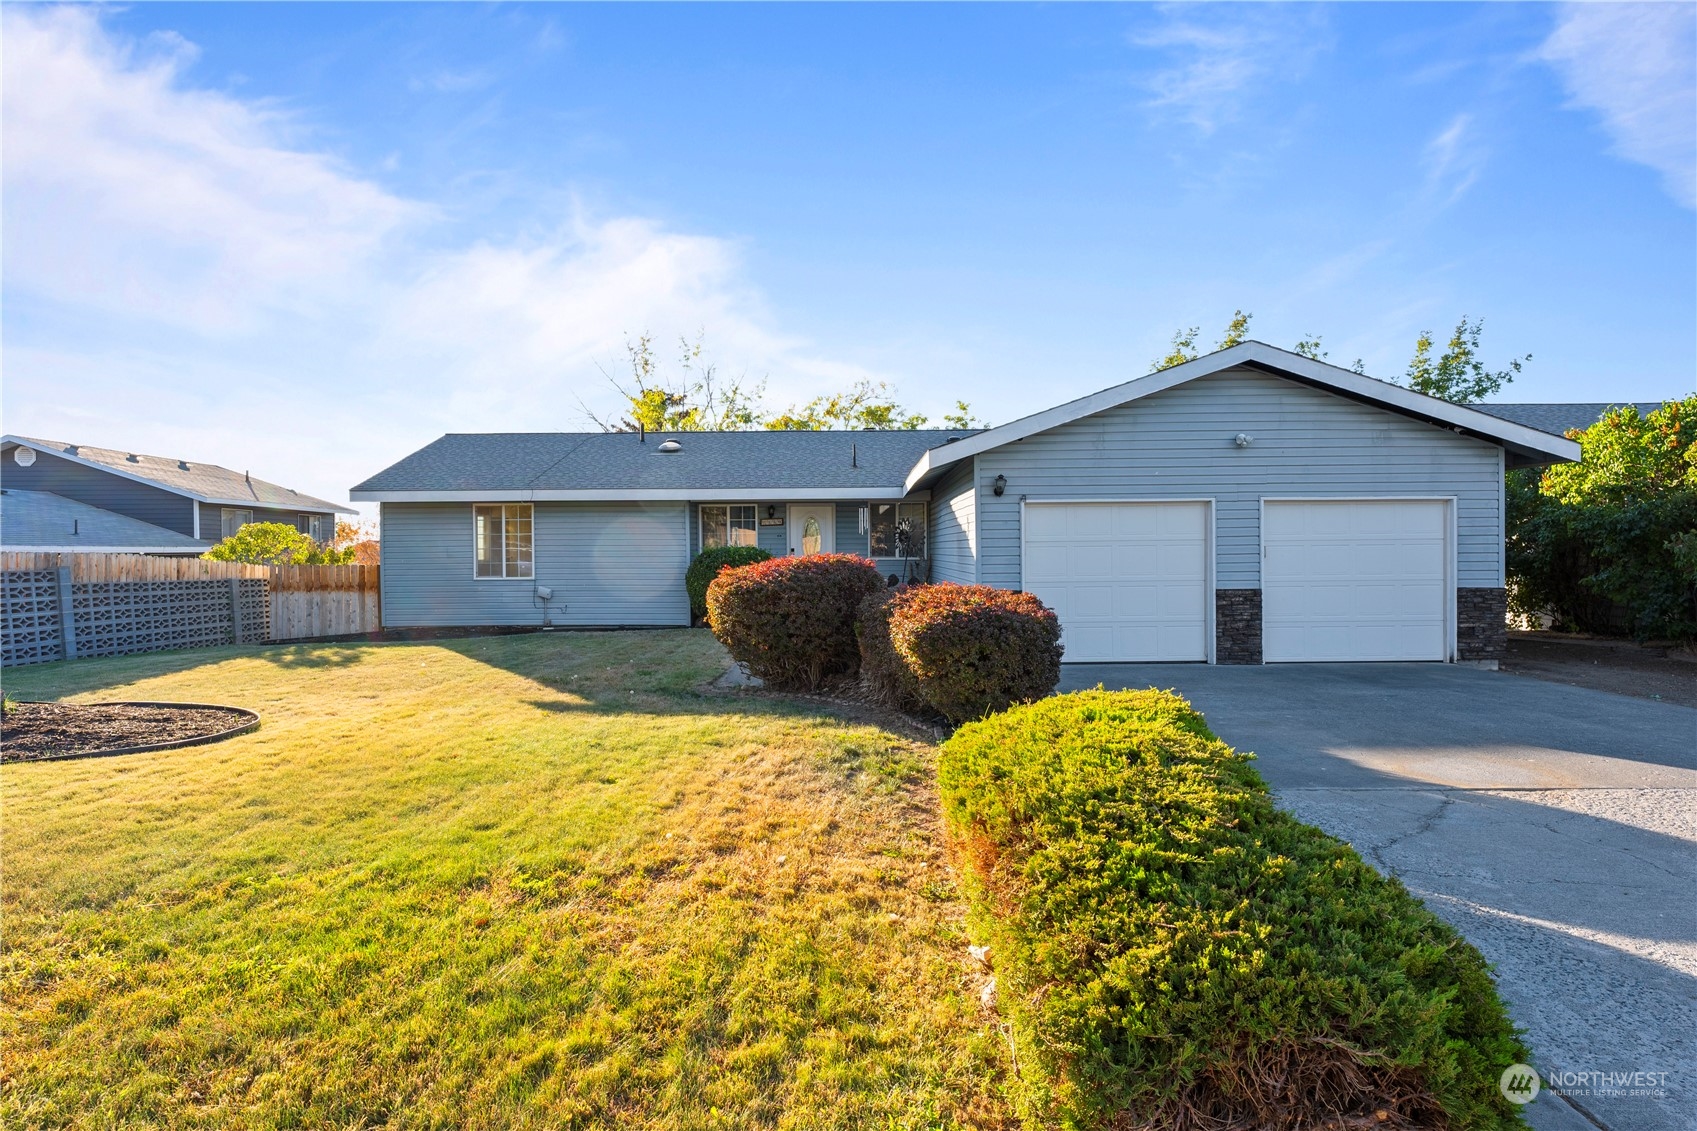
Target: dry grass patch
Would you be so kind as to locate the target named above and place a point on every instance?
(511, 882)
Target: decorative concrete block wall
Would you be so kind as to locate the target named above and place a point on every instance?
(29, 617)
(46, 616)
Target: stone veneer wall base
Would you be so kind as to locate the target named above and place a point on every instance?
(1481, 624)
(1237, 626)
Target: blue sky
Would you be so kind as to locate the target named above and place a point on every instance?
(307, 239)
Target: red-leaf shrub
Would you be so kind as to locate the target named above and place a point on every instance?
(881, 667)
(973, 649)
(790, 621)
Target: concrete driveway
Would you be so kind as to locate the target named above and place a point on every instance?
(1555, 827)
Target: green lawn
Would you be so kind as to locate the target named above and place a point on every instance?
(524, 881)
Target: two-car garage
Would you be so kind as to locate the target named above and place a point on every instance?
(1341, 579)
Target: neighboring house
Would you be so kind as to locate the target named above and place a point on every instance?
(1250, 506)
(151, 504)
(41, 522)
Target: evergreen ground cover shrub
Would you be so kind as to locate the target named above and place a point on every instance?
(791, 620)
(962, 650)
(1171, 950)
(706, 567)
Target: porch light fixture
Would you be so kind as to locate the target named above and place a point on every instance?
(771, 510)
(999, 486)
(1243, 439)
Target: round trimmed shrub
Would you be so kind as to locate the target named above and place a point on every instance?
(1173, 950)
(706, 567)
(790, 621)
(881, 668)
(973, 649)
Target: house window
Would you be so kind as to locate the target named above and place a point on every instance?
(312, 525)
(231, 520)
(898, 530)
(503, 536)
(727, 525)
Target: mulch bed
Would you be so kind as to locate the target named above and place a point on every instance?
(36, 732)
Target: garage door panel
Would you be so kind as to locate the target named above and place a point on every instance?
(1128, 581)
(1045, 523)
(1091, 562)
(1356, 580)
(1045, 560)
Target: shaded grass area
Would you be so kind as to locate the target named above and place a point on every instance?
(525, 881)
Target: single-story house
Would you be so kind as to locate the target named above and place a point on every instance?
(151, 504)
(1250, 506)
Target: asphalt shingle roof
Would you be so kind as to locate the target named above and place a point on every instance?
(41, 519)
(1556, 419)
(587, 461)
(205, 481)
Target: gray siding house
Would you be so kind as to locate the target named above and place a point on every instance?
(1250, 506)
(153, 504)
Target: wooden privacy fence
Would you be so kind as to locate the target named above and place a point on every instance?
(323, 600)
(65, 606)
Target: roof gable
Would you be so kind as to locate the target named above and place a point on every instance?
(1531, 444)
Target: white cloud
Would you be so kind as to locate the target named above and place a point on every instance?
(1636, 65)
(1223, 53)
(1454, 158)
(127, 192)
(185, 275)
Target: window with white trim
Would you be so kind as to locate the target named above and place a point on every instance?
(728, 524)
(503, 539)
(312, 525)
(898, 530)
(231, 520)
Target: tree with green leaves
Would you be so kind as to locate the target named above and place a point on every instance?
(1611, 537)
(863, 405)
(1184, 341)
(698, 399)
(276, 543)
(962, 417)
(1457, 374)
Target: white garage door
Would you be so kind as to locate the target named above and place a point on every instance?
(1129, 581)
(1361, 579)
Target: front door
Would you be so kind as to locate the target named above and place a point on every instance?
(812, 529)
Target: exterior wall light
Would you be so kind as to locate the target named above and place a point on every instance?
(1243, 439)
(999, 486)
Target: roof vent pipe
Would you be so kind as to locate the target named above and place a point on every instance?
(854, 455)
(641, 432)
